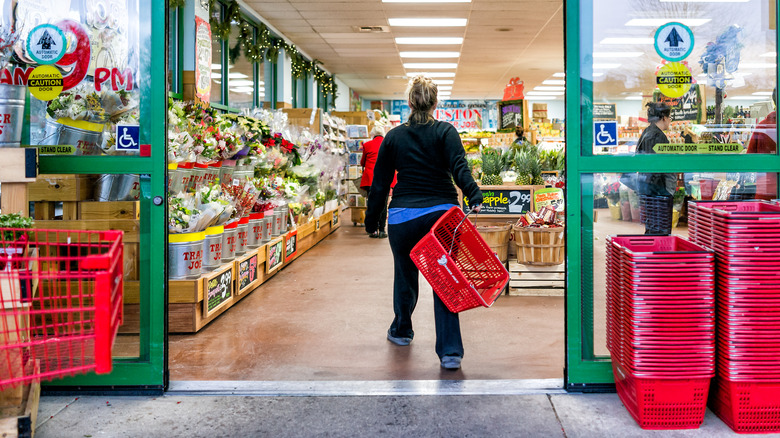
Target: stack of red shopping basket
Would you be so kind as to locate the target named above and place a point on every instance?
(661, 328)
(746, 239)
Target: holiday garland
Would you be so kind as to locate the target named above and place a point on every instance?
(265, 46)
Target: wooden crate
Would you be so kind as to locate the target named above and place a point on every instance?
(19, 408)
(109, 210)
(526, 280)
(131, 228)
(61, 188)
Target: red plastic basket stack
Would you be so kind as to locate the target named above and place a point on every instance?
(700, 219)
(60, 302)
(746, 240)
(462, 269)
(661, 328)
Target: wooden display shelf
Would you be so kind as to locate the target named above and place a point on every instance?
(536, 281)
(185, 297)
(19, 407)
(18, 168)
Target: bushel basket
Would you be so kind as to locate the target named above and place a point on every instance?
(462, 269)
(539, 246)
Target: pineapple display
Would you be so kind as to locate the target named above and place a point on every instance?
(491, 167)
(524, 164)
(536, 173)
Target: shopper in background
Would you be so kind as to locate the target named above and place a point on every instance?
(368, 161)
(428, 155)
(520, 134)
(764, 141)
(659, 187)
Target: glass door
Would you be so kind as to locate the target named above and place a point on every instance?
(713, 66)
(105, 133)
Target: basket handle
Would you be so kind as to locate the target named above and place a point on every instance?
(455, 232)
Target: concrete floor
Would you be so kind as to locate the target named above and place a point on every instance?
(537, 415)
(325, 317)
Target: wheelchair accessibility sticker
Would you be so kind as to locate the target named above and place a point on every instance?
(128, 138)
(605, 133)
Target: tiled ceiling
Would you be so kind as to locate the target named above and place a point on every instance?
(502, 40)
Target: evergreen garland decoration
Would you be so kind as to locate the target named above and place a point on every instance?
(174, 4)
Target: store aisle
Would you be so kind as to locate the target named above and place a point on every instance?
(325, 317)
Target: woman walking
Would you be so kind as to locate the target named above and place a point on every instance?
(428, 155)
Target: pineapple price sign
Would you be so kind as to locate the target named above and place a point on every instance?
(509, 202)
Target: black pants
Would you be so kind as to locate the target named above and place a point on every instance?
(382, 214)
(406, 289)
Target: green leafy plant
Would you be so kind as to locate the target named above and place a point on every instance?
(14, 220)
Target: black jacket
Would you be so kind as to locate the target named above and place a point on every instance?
(655, 184)
(427, 157)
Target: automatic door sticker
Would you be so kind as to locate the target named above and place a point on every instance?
(674, 41)
(674, 79)
(46, 44)
(605, 133)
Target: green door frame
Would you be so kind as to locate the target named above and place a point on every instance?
(148, 372)
(584, 371)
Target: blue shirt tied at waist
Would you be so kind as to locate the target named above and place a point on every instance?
(397, 216)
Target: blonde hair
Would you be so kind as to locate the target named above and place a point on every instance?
(421, 93)
(377, 130)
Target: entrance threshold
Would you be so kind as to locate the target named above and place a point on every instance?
(327, 388)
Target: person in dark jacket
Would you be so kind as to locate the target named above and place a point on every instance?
(764, 141)
(428, 155)
(656, 188)
(368, 161)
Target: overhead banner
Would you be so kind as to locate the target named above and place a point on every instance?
(202, 59)
(464, 115)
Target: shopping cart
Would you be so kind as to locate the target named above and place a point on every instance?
(462, 269)
(60, 302)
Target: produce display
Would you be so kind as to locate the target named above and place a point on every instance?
(491, 167)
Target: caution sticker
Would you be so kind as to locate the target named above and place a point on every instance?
(674, 79)
(46, 44)
(45, 82)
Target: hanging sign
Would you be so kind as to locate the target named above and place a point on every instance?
(202, 59)
(674, 79)
(698, 148)
(219, 290)
(690, 106)
(511, 114)
(46, 44)
(674, 41)
(45, 82)
(604, 111)
(512, 201)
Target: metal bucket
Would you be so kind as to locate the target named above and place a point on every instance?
(229, 242)
(174, 182)
(212, 173)
(276, 224)
(283, 209)
(198, 176)
(86, 142)
(255, 229)
(115, 187)
(184, 175)
(185, 255)
(243, 236)
(226, 171)
(11, 115)
(268, 225)
(212, 248)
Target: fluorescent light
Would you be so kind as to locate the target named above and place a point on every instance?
(560, 74)
(634, 98)
(746, 97)
(426, 1)
(430, 54)
(429, 40)
(543, 98)
(554, 82)
(443, 81)
(769, 55)
(438, 74)
(627, 40)
(656, 22)
(216, 66)
(543, 88)
(604, 66)
(763, 93)
(617, 54)
(431, 65)
(544, 93)
(597, 74)
(242, 89)
(240, 83)
(427, 22)
(445, 88)
(758, 65)
(445, 93)
(237, 75)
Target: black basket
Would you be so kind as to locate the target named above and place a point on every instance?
(656, 213)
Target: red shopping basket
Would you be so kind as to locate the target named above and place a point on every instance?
(60, 302)
(462, 269)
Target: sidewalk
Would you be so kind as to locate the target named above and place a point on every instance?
(538, 415)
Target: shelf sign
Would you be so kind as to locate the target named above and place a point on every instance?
(697, 148)
(219, 290)
(275, 255)
(511, 201)
(247, 272)
(674, 41)
(290, 246)
(604, 111)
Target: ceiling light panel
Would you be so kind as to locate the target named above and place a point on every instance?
(617, 54)
(430, 40)
(627, 41)
(544, 88)
(554, 82)
(432, 74)
(428, 22)
(434, 65)
(544, 93)
(430, 54)
(443, 81)
(559, 74)
(426, 1)
(656, 22)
